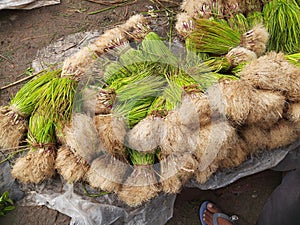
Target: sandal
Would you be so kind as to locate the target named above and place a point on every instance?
(215, 215)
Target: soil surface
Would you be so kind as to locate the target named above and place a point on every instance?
(23, 33)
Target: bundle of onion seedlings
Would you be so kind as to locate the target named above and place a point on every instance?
(146, 135)
(107, 172)
(52, 110)
(107, 155)
(216, 144)
(214, 37)
(273, 72)
(81, 147)
(71, 167)
(135, 28)
(236, 97)
(57, 99)
(175, 171)
(256, 39)
(178, 141)
(255, 18)
(279, 135)
(13, 118)
(139, 78)
(134, 99)
(111, 131)
(142, 184)
(282, 19)
(38, 164)
(232, 41)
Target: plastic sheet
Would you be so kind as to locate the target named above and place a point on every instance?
(72, 200)
(105, 210)
(26, 4)
(63, 48)
(7, 183)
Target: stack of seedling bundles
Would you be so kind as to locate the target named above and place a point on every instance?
(260, 104)
(151, 120)
(48, 103)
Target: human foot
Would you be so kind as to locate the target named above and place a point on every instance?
(210, 214)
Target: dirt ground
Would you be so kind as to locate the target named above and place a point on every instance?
(23, 33)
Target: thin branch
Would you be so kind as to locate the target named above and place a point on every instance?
(129, 2)
(10, 149)
(108, 3)
(20, 81)
(34, 37)
(5, 58)
(12, 155)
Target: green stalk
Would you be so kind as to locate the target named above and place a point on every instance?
(155, 50)
(294, 59)
(152, 55)
(130, 62)
(138, 158)
(239, 22)
(218, 64)
(236, 70)
(27, 97)
(120, 82)
(57, 99)
(282, 20)
(6, 204)
(214, 37)
(158, 106)
(255, 18)
(134, 98)
(41, 130)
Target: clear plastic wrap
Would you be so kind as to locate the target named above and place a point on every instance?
(72, 200)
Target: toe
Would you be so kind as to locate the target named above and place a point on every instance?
(212, 208)
(207, 217)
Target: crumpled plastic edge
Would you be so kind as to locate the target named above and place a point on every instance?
(89, 211)
(26, 4)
